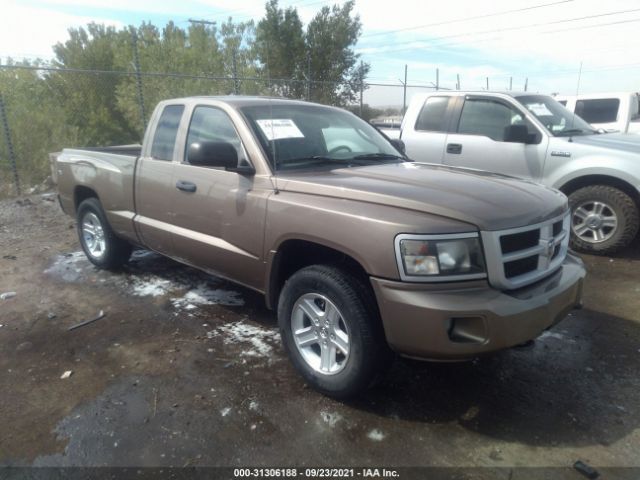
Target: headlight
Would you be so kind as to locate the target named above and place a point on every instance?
(440, 257)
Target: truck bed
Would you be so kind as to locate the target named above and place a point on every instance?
(108, 172)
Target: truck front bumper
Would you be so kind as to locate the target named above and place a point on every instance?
(458, 321)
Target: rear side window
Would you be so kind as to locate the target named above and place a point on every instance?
(598, 110)
(433, 114)
(164, 139)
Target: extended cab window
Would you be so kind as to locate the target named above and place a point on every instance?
(210, 124)
(432, 115)
(490, 118)
(598, 110)
(164, 140)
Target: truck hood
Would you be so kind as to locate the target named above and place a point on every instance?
(486, 200)
(623, 142)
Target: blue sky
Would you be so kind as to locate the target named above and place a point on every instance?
(544, 41)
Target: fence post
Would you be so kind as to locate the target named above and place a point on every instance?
(308, 76)
(136, 64)
(234, 66)
(361, 86)
(7, 140)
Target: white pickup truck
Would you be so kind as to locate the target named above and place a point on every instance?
(611, 112)
(533, 136)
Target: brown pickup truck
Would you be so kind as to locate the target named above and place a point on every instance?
(361, 251)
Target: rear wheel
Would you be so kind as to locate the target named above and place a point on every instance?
(97, 239)
(331, 330)
(603, 219)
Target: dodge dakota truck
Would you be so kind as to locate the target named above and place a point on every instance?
(362, 252)
(534, 137)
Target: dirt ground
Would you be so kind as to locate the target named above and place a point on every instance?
(186, 369)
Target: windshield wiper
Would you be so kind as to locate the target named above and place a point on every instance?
(375, 156)
(573, 131)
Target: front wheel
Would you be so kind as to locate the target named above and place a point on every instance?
(603, 219)
(100, 244)
(331, 330)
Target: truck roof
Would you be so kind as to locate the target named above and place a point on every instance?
(242, 100)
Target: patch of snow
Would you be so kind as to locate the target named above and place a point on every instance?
(376, 435)
(253, 405)
(225, 411)
(330, 418)
(152, 286)
(550, 334)
(243, 333)
(205, 295)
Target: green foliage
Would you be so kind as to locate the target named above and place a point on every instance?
(94, 100)
(331, 36)
(35, 123)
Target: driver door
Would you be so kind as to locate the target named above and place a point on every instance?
(482, 140)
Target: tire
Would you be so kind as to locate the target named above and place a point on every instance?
(331, 288)
(103, 248)
(614, 204)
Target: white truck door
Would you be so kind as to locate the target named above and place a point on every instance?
(425, 129)
(494, 135)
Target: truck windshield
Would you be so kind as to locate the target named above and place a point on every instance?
(299, 136)
(557, 119)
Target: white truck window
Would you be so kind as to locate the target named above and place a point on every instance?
(598, 110)
(164, 139)
(432, 116)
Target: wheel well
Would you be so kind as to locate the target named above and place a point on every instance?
(589, 180)
(293, 255)
(81, 193)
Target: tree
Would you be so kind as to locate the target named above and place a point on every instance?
(89, 100)
(331, 36)
(280, 47)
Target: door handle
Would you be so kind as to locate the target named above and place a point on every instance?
(186, 186)
(455, 148)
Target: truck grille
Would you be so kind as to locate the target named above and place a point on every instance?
(520, 256)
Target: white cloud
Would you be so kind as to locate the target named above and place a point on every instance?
(31, 32)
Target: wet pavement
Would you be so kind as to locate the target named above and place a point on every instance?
(187, 369)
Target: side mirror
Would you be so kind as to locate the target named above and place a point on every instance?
(398, 144)
(516, 134)
(213, 154)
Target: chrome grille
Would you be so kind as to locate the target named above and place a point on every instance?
(520, 256)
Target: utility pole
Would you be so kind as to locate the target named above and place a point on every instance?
(437, 79)
(404, 91)
(9, 143)
(136, 64)
(457, 81)
(510, 83)
(487, 83)
(233, 53)
(526, 83)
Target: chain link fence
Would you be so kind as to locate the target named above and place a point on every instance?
(44, 109)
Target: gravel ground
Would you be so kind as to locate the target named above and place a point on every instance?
(187, 369)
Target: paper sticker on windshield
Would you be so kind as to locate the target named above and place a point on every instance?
(277, 128)
(539, 109)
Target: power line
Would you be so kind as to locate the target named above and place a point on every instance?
(446, 44)
(506, 29)
(464, 19)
